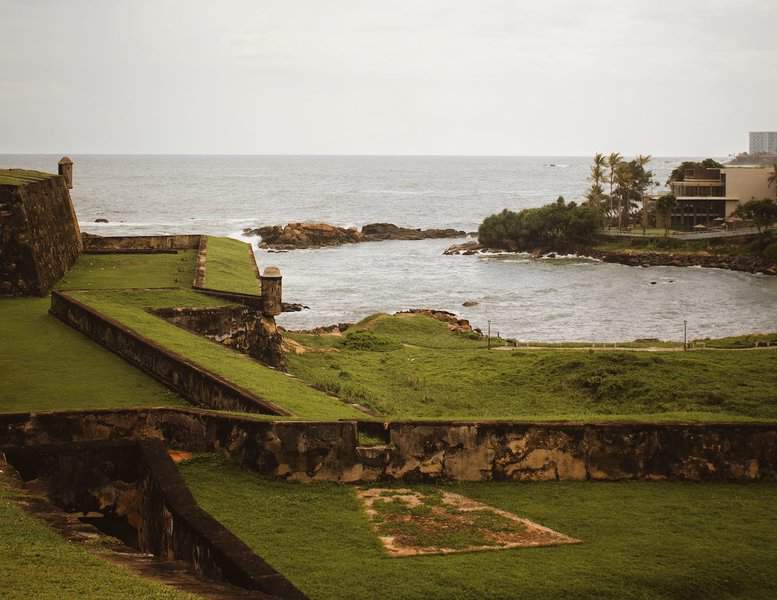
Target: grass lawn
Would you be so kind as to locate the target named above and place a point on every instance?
(46, 365)
(230, 266)
(725, 246)
(36, 562)
(21, 176)
(106, 271)
(641, 540)
(412, 367)
(129, 307)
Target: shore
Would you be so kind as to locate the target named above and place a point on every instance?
(637, 258)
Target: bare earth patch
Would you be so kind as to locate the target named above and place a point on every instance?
(410, 522)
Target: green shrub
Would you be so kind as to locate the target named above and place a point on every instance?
(554, 225)
(366, 341)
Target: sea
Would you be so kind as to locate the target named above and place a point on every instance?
(544, 299)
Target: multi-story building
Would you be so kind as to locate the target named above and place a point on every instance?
(705, 196)
(763, 142)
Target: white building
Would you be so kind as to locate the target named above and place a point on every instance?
(763, 142)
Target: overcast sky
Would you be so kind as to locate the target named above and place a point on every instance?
(386, 77)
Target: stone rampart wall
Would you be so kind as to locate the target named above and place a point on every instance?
(199, 386)
(138, 482)
(39, 236)
(94, 243)
(426, 451)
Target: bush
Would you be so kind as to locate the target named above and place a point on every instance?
(367, 341)
(558, 225)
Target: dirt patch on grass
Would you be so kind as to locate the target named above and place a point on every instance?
(411, 522)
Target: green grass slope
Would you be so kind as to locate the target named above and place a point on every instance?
(412, 367)
(46, 365)
(641, 540)
(130, 308)
(230, 266)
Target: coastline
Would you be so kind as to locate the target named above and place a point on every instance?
(632, 258)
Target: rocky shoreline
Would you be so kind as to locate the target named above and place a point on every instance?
(297, 236)
(747, 264)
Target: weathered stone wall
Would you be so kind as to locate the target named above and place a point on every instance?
(39, 236)
(196, 384)
(95, 243)
(417, 451)
(138, 482)
(239, 327)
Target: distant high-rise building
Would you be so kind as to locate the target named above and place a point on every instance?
(763, 141)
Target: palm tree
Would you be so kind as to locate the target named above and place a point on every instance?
(624, 177)
(613, 162)
(596, 191)
(773, 179)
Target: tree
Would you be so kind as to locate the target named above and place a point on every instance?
(559, 225)
(666, 204)
(595, 193)
(613, 161)
(632, 179)
(761, 212)
(678, 173)
(773, 179)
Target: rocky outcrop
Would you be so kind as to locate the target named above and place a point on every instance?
(389, 231)
(466, 249)
(455, 324)
(296, 236)
(748, 264)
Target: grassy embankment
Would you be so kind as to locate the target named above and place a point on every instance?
(49, 366)
(230, 266)
(129, 308)
(413, 367)
(97, 280)
(36, 562)
(645, 540)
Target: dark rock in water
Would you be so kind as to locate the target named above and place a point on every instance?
(653, 282)
(316, 235)
(294, 307)
(467, 248)
(389, 231)
(470, 303)
(101, 220)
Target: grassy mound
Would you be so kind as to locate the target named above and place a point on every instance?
(425, 371)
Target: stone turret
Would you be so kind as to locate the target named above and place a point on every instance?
(272, 295)
(65, 168)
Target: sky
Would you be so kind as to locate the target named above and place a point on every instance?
(484, 77)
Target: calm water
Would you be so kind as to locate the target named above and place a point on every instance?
(528, 299)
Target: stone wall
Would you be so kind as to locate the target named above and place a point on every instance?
(138, 483)
(196, 384)
(238, 327)
(427, 451)
(96, 243)
(39, 236)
